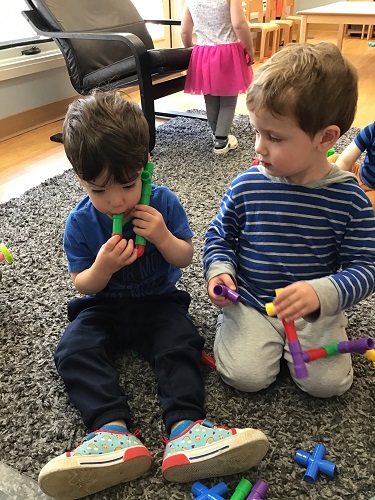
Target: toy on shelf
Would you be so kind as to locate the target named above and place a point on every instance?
(315, 463)
(117, 221)
(201, 492)
(146, 176)
(242, 490)
(228, 293)
(300, 358)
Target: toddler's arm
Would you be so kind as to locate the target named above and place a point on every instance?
(149, 223)
(186, 29)
(112, 256)
(241, 27)
(348, 157)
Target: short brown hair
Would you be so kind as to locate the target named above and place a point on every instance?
(313, 84)
(105, 132)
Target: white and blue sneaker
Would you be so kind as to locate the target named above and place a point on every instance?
(105, 458)
(205, 450)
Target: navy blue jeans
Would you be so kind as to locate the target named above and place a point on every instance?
(159, 328)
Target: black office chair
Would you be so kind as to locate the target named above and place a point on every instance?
(106, 45)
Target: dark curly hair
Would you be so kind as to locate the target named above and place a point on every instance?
(105, 132)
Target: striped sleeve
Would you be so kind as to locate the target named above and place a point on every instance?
(221, 240)
(356, 279)
(272, 234)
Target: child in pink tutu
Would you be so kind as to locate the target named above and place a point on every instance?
(220, 65)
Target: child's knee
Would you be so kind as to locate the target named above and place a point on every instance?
(246, 380)
(327, 387)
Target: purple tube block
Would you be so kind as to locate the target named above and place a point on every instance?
(299, 364)
(360, 346)
(204, 493)
(315, 463)
(224, 291)
(258, 491)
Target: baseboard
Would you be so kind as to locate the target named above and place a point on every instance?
(20, 123)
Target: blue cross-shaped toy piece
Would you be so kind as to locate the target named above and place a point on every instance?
(315, 463)
(201, 492)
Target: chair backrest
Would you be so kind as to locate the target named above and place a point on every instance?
(245, 6)
(85, 56)
(288, 8)
(254, 10)
(271, 10)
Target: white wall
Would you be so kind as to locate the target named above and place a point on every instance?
(309, 4)
(35, 90)
(28, 82)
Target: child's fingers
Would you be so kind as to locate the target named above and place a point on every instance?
(127, 251)
(113, 241)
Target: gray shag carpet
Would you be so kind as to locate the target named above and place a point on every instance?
(37, 421)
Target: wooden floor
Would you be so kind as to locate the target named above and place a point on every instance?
(30, 158)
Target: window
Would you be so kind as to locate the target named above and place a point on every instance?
(152, 9)
(14, 29)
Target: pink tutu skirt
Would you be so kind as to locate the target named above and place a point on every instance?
(218, 70)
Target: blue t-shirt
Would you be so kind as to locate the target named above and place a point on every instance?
(86, 230)
(365, 141)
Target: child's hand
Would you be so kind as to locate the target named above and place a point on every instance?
(149, 223)
(115, 254)
(249, 55)
(295, 301)
(220, 279)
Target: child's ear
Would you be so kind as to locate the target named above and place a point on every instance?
(328, 137)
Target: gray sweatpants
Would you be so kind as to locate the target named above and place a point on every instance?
(249, 345)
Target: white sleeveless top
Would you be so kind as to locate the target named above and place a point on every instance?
(212, 22)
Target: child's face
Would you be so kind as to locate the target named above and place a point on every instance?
(285, 150)
(114, 198)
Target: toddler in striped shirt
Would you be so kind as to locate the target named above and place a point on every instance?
(294, 221)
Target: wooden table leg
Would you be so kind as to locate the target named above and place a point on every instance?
(340, 36)
(303, 33)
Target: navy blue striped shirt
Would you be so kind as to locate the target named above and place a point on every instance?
(271, 233)
(365, 141)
